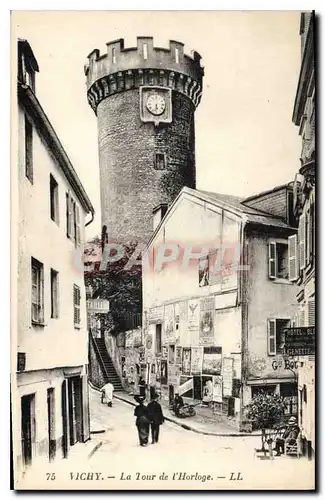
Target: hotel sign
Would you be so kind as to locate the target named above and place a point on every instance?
(98, 306)
(299, 341)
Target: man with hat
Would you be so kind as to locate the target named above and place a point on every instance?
(290, 435)
(156, 417)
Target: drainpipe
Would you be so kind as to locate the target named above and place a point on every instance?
(244, 317)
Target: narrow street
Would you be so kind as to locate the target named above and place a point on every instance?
(124, 463)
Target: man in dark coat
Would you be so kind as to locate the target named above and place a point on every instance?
(156, 417)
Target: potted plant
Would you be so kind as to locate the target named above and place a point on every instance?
(266, 411)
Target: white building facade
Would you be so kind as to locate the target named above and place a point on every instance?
(214, 333)
(50, 411)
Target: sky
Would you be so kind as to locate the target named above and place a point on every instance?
(245, 139)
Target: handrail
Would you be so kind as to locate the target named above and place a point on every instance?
(98, 352)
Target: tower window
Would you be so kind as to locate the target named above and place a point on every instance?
(145, 51)
(160, 161)
(176, 56)
(113, 55)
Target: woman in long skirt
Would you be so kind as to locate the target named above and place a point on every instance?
(142, 421)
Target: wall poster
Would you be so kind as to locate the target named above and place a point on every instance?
(212, 360)
(163, 372)
(227, 375)
(169, 322)
(196, 360)
(217, 388)
(178, 355)
(206, 334)
(193, 311)
(186, 361)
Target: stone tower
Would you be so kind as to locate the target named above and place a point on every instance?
(144, 99)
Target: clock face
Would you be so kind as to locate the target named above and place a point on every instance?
(156, 104)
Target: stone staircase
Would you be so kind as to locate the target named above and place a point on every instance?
(109, 371)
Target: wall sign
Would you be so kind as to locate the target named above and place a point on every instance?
(206, 335)
(196, 360)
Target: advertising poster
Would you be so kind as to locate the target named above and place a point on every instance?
(186, 361)
(217, 388)
(156, 314)
(128, 339)
(164, 352)
(193, 314)
(177, 319)
(178, 355)
(169, 331)
(227, 375)
(206, 334)
(137, 337)
(212, 360)
(163, 372)
(196, 360)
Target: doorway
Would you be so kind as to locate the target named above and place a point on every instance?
(27, 427)
(75, 410)
(171, 395)
(64, 413)
(51, 423)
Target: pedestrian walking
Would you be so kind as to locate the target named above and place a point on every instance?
(156, 417)
(142, 420)
(107, 393)
(142, 387)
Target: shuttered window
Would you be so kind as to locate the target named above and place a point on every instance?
(78, 235)
(28, 149)
(302, 241)
(37, 271)
(312, 248)
(311, 312)
(272, 260)
(76, 305)
(302, 317)
(293, 268)
(271, 337)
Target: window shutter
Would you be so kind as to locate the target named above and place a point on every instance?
(271, 337)
(302, 242)
(78, 236)
(311, 234)
(292, 247)
(272, 260)
(311, 312)
(302, 317)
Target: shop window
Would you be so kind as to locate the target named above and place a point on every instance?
(289, 393)
(276, 335)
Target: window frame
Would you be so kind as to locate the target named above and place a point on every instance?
(273, 246)
(54, 277)
(272, 335)
(76, 306)
(54, 200)
(160, 157)
(38, 267)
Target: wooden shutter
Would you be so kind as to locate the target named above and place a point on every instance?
(302, 241)
(76, 305)
(311, 234)
(292, 248)
(302, 317)
(78, 234)
(272, 260)
(311, 312)
(271, 337)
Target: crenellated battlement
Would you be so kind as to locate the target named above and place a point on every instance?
(123, 68)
